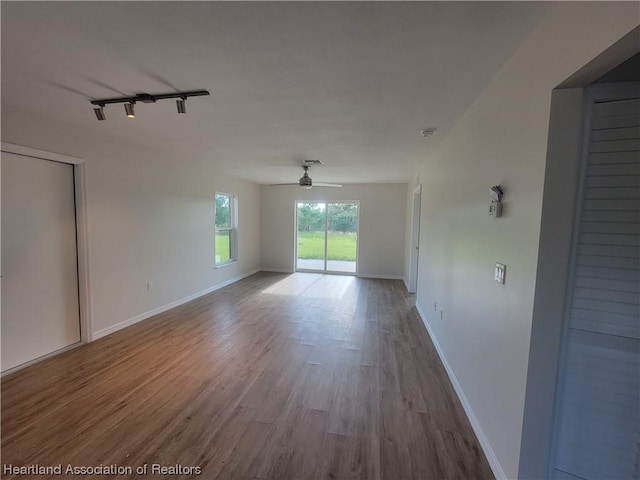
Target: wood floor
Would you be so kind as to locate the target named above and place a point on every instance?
(277, 376)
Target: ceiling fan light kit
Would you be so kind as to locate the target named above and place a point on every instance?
(306, 181)
(129, 102)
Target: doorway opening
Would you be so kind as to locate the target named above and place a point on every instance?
(327, 237)
(415, 241)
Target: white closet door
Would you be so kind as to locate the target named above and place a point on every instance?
(39, 263)
(598, 428)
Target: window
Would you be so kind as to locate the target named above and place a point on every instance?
(224, 248)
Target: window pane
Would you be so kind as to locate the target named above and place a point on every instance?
(342, 225)
(311, 239)
(223, 246)
(223, 211)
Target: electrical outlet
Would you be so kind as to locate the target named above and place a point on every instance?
(149, 286)
(435, 306)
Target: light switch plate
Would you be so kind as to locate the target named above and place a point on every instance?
(500, 273)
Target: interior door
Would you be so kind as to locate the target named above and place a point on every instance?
(40, 309)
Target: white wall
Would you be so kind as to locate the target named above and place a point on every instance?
(381, 230)
(485, 331)
(150, 218)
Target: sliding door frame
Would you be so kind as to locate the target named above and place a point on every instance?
(326, 242)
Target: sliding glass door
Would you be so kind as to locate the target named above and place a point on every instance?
(327, 236)
(311, 238)
(342, 237)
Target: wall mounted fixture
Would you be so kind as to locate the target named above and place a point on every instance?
(129, 102)
(495, 207)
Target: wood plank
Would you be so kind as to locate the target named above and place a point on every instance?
(395, 461)
(365, 459)
(339, 381)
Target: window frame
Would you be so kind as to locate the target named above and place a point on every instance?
(233, 222)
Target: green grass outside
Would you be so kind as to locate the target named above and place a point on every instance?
(341, 246)
(222, 248)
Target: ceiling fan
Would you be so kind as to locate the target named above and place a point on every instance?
(306, 182)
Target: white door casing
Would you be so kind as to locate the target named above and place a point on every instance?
(415, 240)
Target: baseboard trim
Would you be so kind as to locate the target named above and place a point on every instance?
(406, 284)
(275, 270)
(475, 424)
(143, 316)
(383, 277)
(43, 357)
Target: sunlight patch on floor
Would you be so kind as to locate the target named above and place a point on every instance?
(312, 285)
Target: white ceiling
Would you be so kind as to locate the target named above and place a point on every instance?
(350, 83)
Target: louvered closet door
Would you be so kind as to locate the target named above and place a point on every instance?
(599, 396)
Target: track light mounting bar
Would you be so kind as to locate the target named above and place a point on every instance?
(146, 98)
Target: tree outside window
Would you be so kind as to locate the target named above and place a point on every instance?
(224, 229)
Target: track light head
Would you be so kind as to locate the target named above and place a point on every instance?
(99, 111)
(128, 108)
(181, 104)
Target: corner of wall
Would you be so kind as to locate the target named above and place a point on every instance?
(95, 335)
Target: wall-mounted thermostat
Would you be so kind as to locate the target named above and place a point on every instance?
(500, 273)
(495, 207)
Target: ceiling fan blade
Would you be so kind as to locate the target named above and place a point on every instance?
(283, 184)
(320, 184)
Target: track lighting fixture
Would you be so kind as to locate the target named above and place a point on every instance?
(146, 98)
(128, 108)
(182, 108)
(99, 111)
